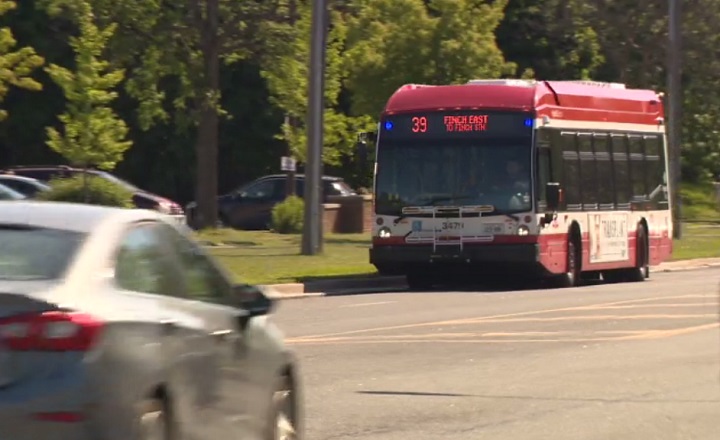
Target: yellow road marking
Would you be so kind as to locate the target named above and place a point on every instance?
(665, 334)
(506, 315)
(367, 304)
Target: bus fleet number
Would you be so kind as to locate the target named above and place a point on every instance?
(453, 225)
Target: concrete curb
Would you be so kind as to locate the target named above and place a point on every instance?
(379, 284)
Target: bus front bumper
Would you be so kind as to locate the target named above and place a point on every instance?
(485, 255)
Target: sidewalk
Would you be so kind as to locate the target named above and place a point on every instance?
(372, 284)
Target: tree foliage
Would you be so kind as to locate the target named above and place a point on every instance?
(407, 41)
(192, 83)
(92, 134)
(16, 66)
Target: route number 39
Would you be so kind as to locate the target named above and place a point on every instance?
(420, 124)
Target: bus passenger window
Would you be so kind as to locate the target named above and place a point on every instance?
(571, 173)
(606, 188)
(588, 173)
(655, 171)
(637, 168)
(543, 176)
(621, 172)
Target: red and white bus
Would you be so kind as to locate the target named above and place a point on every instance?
(520, 179)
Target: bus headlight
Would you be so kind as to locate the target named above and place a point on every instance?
(523, 230)
(384, 232)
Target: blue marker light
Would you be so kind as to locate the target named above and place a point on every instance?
(528, 122)
(388, 125)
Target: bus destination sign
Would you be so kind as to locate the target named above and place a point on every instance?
(456, 124)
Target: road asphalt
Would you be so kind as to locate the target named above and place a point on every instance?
(607, 361)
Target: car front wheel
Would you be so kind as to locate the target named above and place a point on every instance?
(284, 419)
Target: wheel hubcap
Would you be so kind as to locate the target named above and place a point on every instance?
(284, 429)
(571, 260)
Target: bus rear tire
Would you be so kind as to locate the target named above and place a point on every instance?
(641, 271)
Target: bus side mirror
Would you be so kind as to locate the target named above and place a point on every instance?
(364, 142)
(553, 198)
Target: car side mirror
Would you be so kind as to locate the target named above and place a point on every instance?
(553, 198)
(253, 300)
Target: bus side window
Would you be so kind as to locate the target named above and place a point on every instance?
(637, 168)
(621, 172)
(543, 176)
(571, 172)
(655, 172)
(588, 173)
(606, 187)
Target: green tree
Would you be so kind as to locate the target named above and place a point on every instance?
(551, 39)
(418, 41)
(285, 68)
(15, 65)
(181, 47)
(92, 134)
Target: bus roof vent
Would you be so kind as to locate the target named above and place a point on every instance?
(503, 82)
(609, 85)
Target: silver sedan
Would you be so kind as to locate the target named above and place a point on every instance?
(115, 324)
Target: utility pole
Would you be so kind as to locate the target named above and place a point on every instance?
(674, 67)
(312, 227)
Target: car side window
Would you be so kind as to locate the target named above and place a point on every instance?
(202, 280)
(261, 190)
(142, 265)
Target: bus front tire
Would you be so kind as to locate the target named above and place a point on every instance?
(573, 275)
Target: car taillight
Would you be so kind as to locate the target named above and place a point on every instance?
(50, 331)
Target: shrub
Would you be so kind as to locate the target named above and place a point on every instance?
(288, 215)
(698, 202)
(99, 192)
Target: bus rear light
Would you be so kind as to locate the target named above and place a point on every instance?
(50, 331)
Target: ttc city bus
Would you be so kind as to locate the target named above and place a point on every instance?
(565, 180)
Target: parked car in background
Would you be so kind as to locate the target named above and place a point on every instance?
(250, 206)
(115, 324)
(141, 198)
(7, 193)
(26, 186)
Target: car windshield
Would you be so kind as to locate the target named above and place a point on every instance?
(129, 186)
(9, 194)
(460, 173)
(28, 253)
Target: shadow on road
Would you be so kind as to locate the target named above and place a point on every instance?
(637, 399)
(475, 287)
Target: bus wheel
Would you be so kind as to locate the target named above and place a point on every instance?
(420, 280)
(573, 276)
(641, 271)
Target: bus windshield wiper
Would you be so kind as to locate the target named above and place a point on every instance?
(434, 200)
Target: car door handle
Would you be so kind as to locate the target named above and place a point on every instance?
(221, 335)
(168, 326)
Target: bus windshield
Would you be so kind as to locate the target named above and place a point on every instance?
(453, 173)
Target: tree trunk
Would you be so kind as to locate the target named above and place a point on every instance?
(206, 146)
